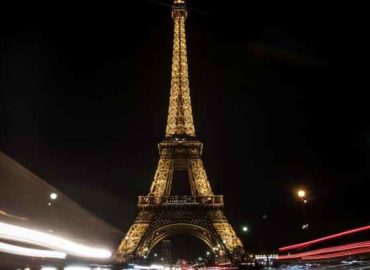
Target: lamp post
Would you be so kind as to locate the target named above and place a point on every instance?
(208, 256)
(264, 232)
(302, 195)
(244, 230)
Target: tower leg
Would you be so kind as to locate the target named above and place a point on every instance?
(135, 235)
(230, 241)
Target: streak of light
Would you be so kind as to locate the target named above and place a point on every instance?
(21, 234)
(77, 268)
(30, 252)
(346, 247)
(309, 243)
(339, 254)
(11, 216)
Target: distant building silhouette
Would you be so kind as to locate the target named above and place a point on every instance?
(167, 251)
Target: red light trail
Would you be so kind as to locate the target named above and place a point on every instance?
(338, 254)
(327, 252)
(309, 243)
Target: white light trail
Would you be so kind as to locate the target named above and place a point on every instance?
(30, 252)
(157, 266)
(21, 234)
(77, 268)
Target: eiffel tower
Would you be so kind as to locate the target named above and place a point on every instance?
(161, 214)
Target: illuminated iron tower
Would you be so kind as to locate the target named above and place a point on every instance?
(162, 214)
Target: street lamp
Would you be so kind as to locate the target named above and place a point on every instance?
(53, 196)
(302, 194)
(244, 233)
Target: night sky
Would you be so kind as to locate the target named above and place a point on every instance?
(84, 97)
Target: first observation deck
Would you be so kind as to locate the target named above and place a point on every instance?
(214, 201)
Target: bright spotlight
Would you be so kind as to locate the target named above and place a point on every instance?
(53, 196)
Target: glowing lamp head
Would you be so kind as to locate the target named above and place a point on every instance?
(301, 193)
(244, 228)
(53, 196)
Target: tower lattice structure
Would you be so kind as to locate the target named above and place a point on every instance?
(162, 214)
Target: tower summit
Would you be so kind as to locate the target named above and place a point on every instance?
(162, 213)
(180, 118)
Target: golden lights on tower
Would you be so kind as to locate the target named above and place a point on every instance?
(180, 117)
